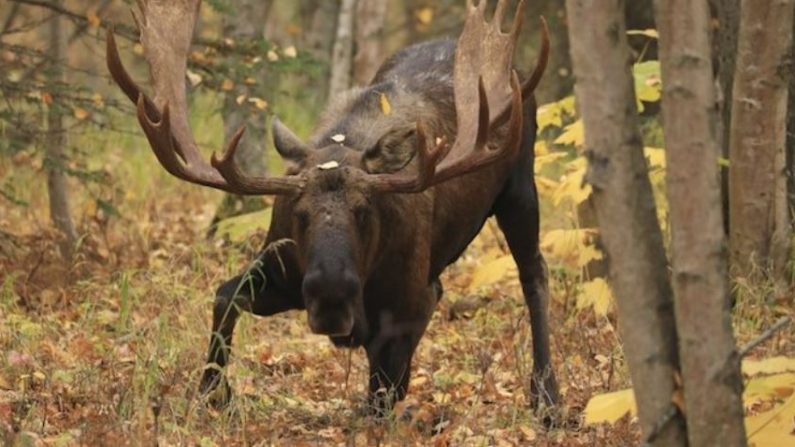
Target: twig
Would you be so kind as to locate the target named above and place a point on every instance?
(10, 19)
(123, 30)
(660, 425)
(780, 324)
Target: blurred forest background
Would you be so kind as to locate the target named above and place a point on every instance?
(107, 264)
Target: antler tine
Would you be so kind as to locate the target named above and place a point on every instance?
(243, 184)
(481, 156)
(541, 63)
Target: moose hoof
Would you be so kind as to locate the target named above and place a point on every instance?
(544, 398)
(215, 389)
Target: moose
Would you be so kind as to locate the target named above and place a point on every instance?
(377, 203)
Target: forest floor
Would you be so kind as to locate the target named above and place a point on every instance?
(108, 350)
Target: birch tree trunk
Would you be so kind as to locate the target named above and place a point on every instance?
(625, 208)
(342, 53)
(319, 39)
(370, 17)
(728, 14)
(759, 226)
(707, 351)
(57, 185)
(790, 155)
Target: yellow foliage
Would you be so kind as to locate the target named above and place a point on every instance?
(768, 429)
(610, 407)
(772, 428)
(571, 247)
(552, 114)
(597, 294)
(766, 388)
(655, 156)
(386, 107)
(424, 15)
(772, 365)
(492, 271)
(572, 186)
(573, 134)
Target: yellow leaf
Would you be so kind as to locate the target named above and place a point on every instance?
(194, 78)
(545, 159)
(98, 101)
(290, 52)
(540, 149)
(573, 134)
(765, 388)
(386, 107)
(652, 33)
(596, 293)
(588, 253)
(772, 365)
(772, 428)
(610, 407)
(563, 245)
(272, 56)
(572, 186)
(259, 103)
(240, 99)
(93, 20)
(81, 113)
(655, 156)
(424, 15)
(551, 115)
(492, 271)
(227, 85)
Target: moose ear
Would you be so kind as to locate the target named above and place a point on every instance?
(392, 152)
(287, 144)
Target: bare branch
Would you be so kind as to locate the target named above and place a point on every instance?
(780, 324)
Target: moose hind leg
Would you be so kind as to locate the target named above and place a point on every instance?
(517, 215)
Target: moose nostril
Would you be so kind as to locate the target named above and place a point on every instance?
(340, 287)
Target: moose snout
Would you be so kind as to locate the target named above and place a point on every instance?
(329, 299)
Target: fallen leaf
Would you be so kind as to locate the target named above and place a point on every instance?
(610, 407)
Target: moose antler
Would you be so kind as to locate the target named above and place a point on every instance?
(487, 90)
(166, 28)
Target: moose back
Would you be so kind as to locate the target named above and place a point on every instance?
(375, 205)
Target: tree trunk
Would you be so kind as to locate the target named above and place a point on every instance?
(245, 23)
(342, 53)
(790, 155)
(57, 185)
(558, 80)
(625, 208)
(758, 210)
(707, 352)
(370, 17)
(728, 14)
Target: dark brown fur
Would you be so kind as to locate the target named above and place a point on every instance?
(365, 265)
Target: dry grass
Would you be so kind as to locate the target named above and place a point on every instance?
(109, 350)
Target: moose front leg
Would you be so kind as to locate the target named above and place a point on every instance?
(261, 291)
(389, 352)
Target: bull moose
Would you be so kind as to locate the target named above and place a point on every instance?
(373, 208)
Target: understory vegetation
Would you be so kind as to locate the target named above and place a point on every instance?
(108, 350)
